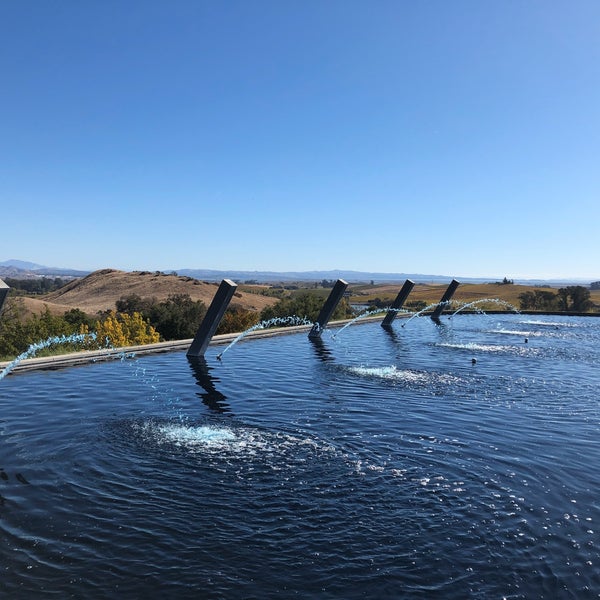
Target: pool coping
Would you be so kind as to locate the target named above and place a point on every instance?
(91, 356)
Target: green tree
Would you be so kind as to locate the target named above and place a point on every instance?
(415, 305)
(579, 298)
(18, 332)
(545, 300)
(178, 317)
(77, 318)
(237, 319)
(46, 325)
(134, 303)
(43, 285)
(563, 299)
(573, 298)
(12, 334)
(527, 300)
(306, 306)
(539, 300)
(378, 303)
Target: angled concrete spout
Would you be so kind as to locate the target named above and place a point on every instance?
(213, 317)
(398, 303)
(3, 293)
(328, 309)
(445, 299)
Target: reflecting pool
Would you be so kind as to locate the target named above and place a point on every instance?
(376, 464)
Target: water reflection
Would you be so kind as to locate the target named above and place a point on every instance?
(211, 396)
(321, 350)
(396, 470)
(440, 325)
(391, 332)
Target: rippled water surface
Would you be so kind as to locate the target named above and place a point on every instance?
(376, 464)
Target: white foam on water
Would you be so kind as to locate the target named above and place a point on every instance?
(517, 332)
(406, 375)
(247, 448)
(202, 435)
(477, 347)
(390, 372)
(245, 443)
(549, 323)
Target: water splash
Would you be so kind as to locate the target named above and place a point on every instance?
(76, 338)
(234, 444)
(472, 346)
(404, 375)
(185, 435)
(475, 304)
(433, 306)
(555, 324)
(520, 333)
(274, 322)
(370, 313)
(390, 372)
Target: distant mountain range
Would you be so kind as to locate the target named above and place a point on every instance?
(291, 276)
(18, 269)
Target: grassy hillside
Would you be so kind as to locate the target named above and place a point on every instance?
(100, 290)
(467, 292)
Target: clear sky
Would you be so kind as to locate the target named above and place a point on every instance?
(442, 137)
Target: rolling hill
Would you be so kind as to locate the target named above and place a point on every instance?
(100, 291)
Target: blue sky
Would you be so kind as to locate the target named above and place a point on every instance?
(458, 138)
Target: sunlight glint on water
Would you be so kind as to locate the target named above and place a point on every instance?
(380, 463)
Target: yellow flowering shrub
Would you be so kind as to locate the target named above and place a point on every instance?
(122, 329)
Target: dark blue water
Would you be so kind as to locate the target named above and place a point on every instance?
(379, 464)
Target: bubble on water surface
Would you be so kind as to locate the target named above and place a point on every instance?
(393, 373)
(195, 435)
